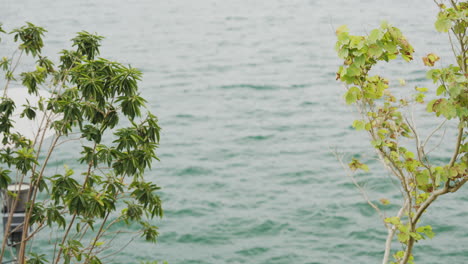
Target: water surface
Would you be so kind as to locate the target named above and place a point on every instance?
(250, 110)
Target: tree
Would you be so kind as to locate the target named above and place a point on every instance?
(91, 100)
(391, 129)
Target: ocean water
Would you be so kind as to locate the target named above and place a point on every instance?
(251, 114)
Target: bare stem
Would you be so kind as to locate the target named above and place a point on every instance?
(21, 254)
(457, 147)
(391, 234)
(98, 235)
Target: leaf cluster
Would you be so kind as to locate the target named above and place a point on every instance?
(96, 99)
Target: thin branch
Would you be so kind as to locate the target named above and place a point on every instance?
(454, 49)
(440, 142)
(29, 212)
(12, 71)
(68, 140)
(361, 190)
(457, 147)
(391, 234)
(98, 236)
(119, 250)
(433, 132)
(420, 150)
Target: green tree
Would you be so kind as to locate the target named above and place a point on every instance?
(387, 120)
(93, 101)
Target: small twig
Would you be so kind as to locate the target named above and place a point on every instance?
(361, 190)
(68, 140)
(119, 250)
(12, 71)
(433, 132)
(438, 144)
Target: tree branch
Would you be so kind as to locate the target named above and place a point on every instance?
(391, 234)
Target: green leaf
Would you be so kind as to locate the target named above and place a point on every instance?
(356, 164)
(364, 167)
(368, 126)
(375, 51)
(453, 172)
(443, 24)
(395, 220)
(374, 35)
(427, 230)
(416, 236)
(353, 70)
(356, 42)
(383, 131)
(341, 29)
(385, 201)
(391, 47)
(403, 237)
(1, 29)
(433, 74)
(430, 105)
(4, 178)
(99, 243)
(404, 228)
(352, 95)
(456, 89)
(343, 53)
(359, 61)
(376, 143)
(36, 259)
(440, 90)
(343, 38)
(422, 89)
(358, 124)
(409, 155)
(422, 178)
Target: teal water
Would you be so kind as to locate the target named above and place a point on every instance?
(251, 112)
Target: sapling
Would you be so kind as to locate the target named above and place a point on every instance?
(391, 128)
(95, 107)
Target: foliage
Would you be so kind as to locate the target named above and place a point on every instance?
(92, 99)
(386, 119)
